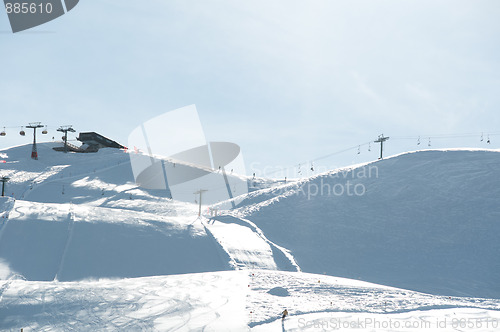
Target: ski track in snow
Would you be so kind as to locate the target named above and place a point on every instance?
(312, 293)
(258, 235)
(202, 302)
(71, 226)
(222, 301)
(442, 320)
(245, 247)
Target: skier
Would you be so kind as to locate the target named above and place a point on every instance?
(284, 314)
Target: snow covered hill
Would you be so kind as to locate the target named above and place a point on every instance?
(427, 221)
(83, 248)
(44, 241)
(235, 301)
(81, 216)
(98, 223)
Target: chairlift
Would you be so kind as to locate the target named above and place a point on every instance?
(359, 149)
(429, 143)
(3, 133)
(482, 139)
(369, 147)
(45, 131)
(418, 140)
(488, 141)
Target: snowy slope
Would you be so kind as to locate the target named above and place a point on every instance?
(427, 221)
(44, 241)
(209, 301)
(104, 179)
(82, 216)
(228, 301)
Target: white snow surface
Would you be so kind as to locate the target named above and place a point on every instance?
(83, 248)
(427, 221)
(230, 301)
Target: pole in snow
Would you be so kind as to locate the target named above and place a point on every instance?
(201, 191)
(3, 180)
(381, 139)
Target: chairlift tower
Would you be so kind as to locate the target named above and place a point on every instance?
(34, 126)
(381, 139)
(65, 129)
(200, 192)
(4, 179)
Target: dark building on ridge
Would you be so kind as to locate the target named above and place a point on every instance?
(91, 142)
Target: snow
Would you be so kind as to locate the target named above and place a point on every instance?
(229, 301)
(43, 240)
(426, 221)
(244, 247)
(431, 320)
(203, 301)
(82, 247)
(312, 293)
(278, 291)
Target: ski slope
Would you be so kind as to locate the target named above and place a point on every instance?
(232, 301)
(83, 248)
(427, 221)
(47, 241)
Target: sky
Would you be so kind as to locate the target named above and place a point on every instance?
(288, 81)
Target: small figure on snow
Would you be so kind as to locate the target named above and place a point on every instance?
(284, 314)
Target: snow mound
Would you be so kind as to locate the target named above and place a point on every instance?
(278, 291)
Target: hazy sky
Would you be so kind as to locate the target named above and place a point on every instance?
(288, 81)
